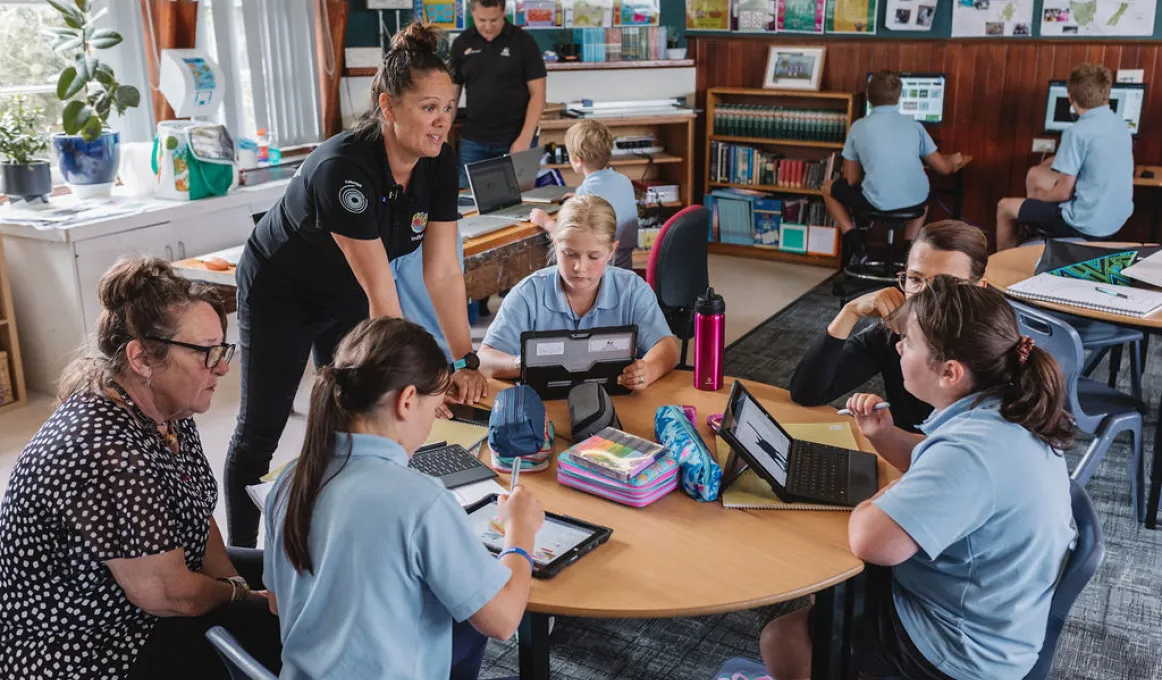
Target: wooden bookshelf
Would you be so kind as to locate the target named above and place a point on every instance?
(621, 161)
(794, 149)
(8, 342)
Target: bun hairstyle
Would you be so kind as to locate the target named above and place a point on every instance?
(139, 297)
(414, 51)
(977, 327)
(377, 358)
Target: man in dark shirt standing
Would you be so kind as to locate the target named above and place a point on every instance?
(502, 67)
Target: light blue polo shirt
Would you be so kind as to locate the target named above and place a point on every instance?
(395, 562)
(538, 304)
(414, 300)
(891, 148)
(618, 190)
(1099, 152)
(988, 504)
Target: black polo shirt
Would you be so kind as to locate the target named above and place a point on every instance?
(342, 188)
(496, 75)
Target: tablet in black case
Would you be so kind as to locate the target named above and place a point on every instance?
(554, 362)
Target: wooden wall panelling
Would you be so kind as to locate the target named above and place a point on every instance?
(994, 105)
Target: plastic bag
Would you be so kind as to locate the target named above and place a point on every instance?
(700, 474)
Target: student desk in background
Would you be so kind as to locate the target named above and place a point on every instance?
(1012, 266)
(1153, 187)
(952, 188)
(492, 262)
(679, 557)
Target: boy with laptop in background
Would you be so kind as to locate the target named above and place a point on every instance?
(883, 160)
(1087, 189)
(590, 145)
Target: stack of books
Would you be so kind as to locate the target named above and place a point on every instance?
(620, 467)
(739, 164)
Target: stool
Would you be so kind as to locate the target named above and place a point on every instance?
(871, 274)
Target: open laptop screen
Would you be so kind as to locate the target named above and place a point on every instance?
(749, 425)
(494, 184)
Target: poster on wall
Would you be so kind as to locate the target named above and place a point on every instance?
(588, 13)
(536, 13)
(708, 15)
(992, 18)
(852, 16)
(910, 15)
(444, 14)
(754, 16)
(800, 16)
(1097, 18)
(636, 12)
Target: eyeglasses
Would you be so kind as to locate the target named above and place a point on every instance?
(215, 354)
(910, 283)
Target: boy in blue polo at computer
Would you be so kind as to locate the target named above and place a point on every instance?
(1087, 189)
(883, 160)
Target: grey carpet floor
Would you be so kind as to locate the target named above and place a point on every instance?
(1114, 631)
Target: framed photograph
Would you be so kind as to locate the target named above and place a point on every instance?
(794, 68)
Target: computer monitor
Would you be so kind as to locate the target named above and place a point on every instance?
(1126, 99)
(921, 97)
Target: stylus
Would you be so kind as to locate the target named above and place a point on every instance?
(878, 407)
(515, 474)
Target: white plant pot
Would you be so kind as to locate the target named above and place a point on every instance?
(676, 53)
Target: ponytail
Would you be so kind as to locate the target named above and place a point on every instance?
(1036, 400)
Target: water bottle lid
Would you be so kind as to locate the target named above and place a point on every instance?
(710, 303)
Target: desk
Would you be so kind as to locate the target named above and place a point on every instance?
(679, 557)
(1155, 184)
(1017, 264)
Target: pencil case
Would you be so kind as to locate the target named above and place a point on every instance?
(536, 462)
(645, 488)
(590, 411)
(700, 475)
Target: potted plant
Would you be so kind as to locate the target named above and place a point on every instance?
(89, 151)
(22, 136)
(672, 49)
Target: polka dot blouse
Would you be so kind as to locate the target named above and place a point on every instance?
(96, 483)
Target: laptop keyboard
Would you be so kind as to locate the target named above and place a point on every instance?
(819, 471)
(444, 461)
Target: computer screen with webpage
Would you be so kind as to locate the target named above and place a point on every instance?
(1126, 99)
(921, 97)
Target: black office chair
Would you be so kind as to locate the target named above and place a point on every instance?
(870, 274)
(677, 270)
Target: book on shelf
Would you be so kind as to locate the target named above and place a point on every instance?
(746, 165)
(779, 122)
(616, 454)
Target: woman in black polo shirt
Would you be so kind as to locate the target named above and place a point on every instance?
(320, 261)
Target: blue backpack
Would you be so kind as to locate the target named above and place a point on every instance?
(517, 424)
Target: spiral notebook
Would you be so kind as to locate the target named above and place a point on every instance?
(1046, 287)
(751, 492)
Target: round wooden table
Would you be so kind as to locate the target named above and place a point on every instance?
(679, 557)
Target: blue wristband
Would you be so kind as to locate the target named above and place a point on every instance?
(519, 551)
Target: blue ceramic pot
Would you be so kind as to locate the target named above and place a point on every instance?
(94, 162)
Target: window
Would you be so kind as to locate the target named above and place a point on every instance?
(223, 36)
(29, 66)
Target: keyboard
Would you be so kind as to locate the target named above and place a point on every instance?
(819, 472)
(452, 465)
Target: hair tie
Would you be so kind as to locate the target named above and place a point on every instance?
(1024, 346)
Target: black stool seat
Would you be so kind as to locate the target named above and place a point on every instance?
(897, 215)
(881, 271)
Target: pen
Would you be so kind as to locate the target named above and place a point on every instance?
(1114, 293)
(515, 474)
(878, 407)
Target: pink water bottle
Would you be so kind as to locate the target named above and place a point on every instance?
(709, 340)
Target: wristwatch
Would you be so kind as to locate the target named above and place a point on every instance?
(469, 361)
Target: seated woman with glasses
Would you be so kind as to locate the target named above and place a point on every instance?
(110, 558)
(840, 361)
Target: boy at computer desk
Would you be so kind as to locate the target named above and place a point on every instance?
(1087, 189)
(883, 161)
(590, 145)
(581, 292)
(964, 550)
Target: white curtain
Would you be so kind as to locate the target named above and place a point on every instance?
(128, 62)
(281, 45)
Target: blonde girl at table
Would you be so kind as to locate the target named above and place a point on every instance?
(966, 547)
(582, 291)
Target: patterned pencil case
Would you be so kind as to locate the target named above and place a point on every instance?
(646, 487)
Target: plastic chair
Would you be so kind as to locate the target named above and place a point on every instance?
(1098, 409)
(241, 665)
(1082, 564)
(677, 270)
(1101, 339)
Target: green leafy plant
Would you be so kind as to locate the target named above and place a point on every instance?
(22, 131)
(89, 85)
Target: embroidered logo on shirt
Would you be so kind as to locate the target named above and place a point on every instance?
(352, 198)
(469, 51)
(419, 222)
(505, 52)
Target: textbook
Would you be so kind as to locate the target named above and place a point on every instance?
(1046, 287)
(751, 492)
(616, 454)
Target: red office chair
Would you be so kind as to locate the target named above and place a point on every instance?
(677, 270)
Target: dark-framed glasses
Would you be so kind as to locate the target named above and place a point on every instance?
(910, 283)
(215, 354)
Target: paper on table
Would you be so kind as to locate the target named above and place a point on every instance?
(231, 255)
(1046, 287)
(259, 492)
(465, 495)
(1147, 270)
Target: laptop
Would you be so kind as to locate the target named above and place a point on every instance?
(528, 166)
(798, 471)
(554, 362)
(497, 194)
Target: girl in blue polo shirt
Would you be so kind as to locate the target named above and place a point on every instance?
(582, 291)
(373, 568)
(976, 531)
